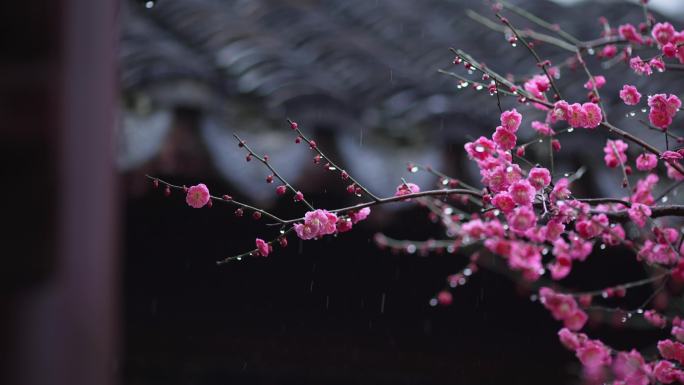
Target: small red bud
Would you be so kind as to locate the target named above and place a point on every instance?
(266, 158)
(155, 183)
(585, 300)
(185, 188)
(269, 179)
(520, 151)
(317, 159)
(555, 144)
(248, 157)
(293, 125)
(239, 212)
(299, 196)
(312, 144)
(283, 242)
(167, 191)
(210, 203)
(256, 215)
(298, 140)
(227, 197)
(280, 190)
(241, 144)
(628, 170)
(344, 175)
(351, 188)
(445, 298)
(358, 191)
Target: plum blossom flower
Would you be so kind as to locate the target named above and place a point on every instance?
(539, 177)
(609, 51)
(615, 153)
(631, 368)
(576, 115)
(638, 213)
(316, 224)
(561, 306)
(630, 95)
(521, 218)
(197, 196)
(598, 81)
(663, 108)
(569, 339)
(663, 33)
(504, 138)
(263, 247)
(593, 353)
(503, 202)
(646, 162)
(629, 32)
(510, 120)
(666, 372)
(522, 192)
(670, 156)
(640, 67)
(671, 350)
(481, 149)
(655, 318)
(358, 216)
(592, 115)
(406, 189)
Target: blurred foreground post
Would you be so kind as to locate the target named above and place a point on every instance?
(62, 305)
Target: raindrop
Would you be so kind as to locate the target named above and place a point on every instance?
(497, 212)
(448, 211)
(451, 249)
(571, 129)
(591, 51)
(643, 110)
(479, 148)
(149, 4)
(331, 168)
(603, 246)
(433, 302)
(632, 113)
(462, 281)
(663, 199)
(467, 272)
(414, 169)
(239, 258)
(534, 298)
(604, 294)
(479, 87)
(640, 311)
(411, 248)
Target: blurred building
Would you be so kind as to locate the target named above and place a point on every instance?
(361, 75)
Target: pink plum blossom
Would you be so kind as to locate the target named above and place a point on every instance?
(630, 95)
(638, 213)
(197, 196)
(263, 247)
(510, 120)
(646, 162)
